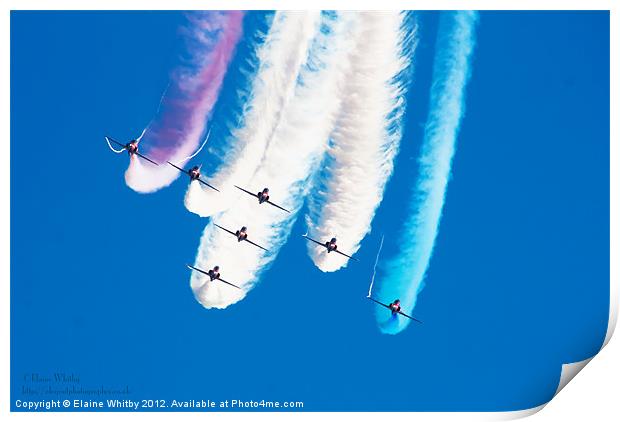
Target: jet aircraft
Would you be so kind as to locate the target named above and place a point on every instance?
(394, 307)
(330, 246)
(241, 235)
(194, 174)
(262, 196)
(214, 274)
(131, 147)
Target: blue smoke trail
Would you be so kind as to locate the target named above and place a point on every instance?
(404, 273)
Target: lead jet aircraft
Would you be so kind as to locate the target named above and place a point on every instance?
(330, 246)
(241, 235)
(193, 173)
(213, 274)
(131, 147)
(395, 308)
(262, 196)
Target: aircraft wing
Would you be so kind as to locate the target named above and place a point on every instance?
(348, 256)
(258, 246)
(410, 317)
(115, 142)
(226, 230)
(178, 168)
(197, 269)
(315, 241)
(205, 183)
(230, 284)
(277, 206)
(382, 304)
(386, 306)
(247, 191)
(146, 158)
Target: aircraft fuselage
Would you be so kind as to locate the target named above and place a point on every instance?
(194, 174)
(132, 147)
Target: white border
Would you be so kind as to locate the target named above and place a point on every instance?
(602, 387)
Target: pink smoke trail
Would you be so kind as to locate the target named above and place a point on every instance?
(180, 123)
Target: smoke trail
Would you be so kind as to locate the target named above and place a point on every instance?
(405, 272)
(210, 39)
(118, 151)
(183, 160)
(366, 137)
(280, 59)
(374, 268)
(290, 160)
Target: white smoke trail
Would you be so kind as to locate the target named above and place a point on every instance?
(366, 138)
(291, 158)
(197, 152)
(118, 151)
(374, 268)
(405, 272)
(281, 57)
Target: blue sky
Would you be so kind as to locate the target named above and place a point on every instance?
(517, 285)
